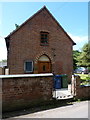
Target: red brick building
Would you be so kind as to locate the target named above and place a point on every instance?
(40, 45)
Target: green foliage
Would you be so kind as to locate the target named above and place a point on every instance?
(88, 78)
(88, 69)
(83, 76)
(78, 100)
(85, 83)
(76, 53)
(84, 58)
(85, 79)
(3, 60)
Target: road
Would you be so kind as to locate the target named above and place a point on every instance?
(77, 110)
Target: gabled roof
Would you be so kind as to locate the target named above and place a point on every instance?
(44, 8)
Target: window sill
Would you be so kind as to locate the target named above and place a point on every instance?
(31, 72)
(42, 44)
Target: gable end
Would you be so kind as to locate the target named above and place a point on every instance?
(7, 39)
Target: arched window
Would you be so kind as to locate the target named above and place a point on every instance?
(44, 58)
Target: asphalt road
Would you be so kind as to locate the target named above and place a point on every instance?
(77, 110)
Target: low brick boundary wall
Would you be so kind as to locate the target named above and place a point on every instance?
(83, 92)
(25, 91)
(80, 92)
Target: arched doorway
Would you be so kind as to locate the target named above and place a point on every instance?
(44, 64)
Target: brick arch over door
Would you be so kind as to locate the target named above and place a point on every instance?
(44, 53)
(44, 64)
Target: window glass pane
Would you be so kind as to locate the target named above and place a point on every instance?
(44, 37)
(28, 66)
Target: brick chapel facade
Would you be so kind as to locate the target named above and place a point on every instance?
(40, 45)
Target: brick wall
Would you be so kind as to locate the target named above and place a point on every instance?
(83, 92)
(1, 71)
(80, 92)
(23, 92)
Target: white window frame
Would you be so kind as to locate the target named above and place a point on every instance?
(25, 66)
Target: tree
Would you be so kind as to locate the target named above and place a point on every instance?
(3, 60)
(84, 58)
(76, 53)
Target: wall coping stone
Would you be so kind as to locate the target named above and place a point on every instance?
(76, 75)
(26, 75)
(88, 85)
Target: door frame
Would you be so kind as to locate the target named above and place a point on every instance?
(50, 65)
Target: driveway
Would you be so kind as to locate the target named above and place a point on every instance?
(77, 110)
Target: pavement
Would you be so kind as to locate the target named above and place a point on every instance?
(76, 110)
(63, 93)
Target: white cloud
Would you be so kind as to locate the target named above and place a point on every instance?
(3, 50)
(79, 40)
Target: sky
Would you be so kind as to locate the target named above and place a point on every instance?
(72, 16)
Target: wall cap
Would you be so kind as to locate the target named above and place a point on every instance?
(26, 75)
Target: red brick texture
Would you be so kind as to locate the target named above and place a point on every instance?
(25, 45)
(18, 93)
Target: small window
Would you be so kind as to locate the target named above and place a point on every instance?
(28, 66)
(44, 38)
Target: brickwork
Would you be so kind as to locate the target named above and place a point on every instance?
(24, 92)
(79, 91)
(1, 71)
(83, 92)
(24, 44)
